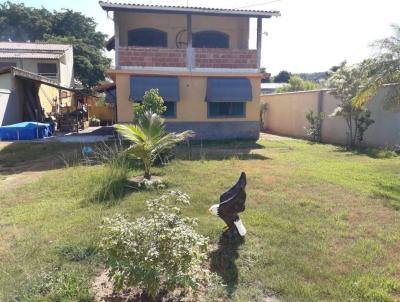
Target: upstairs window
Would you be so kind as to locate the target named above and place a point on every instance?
(210, 39)
(47, 70)
(147, 37)
(7, 64)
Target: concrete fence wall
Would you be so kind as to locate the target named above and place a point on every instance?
(285, 115)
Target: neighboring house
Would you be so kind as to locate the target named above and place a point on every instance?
(26, 96)
(198, 58)
(53, 61)
(36, 80)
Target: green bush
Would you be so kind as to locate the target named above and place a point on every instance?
(314, 129)
(161, 251)
(296, 83)
(152, 102)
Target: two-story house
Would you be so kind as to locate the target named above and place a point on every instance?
(198, 58)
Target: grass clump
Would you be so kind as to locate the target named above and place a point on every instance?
(57, 285)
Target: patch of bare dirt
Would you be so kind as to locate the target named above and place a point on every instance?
(16, 176)
(103, 292)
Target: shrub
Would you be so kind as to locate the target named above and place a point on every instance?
(315, 121)
(159, 251)
(152, 102)
(296, 83)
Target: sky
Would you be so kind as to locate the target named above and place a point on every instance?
(310, 36)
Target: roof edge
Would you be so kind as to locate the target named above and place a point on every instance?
(108, 6)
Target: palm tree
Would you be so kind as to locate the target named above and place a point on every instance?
(149, 139)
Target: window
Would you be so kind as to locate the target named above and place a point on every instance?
(47, 70)
(171, 109)
(210, 39)
(226, 109)
(147, 37)
(7, 64)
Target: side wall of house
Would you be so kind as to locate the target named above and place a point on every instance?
(10, 109)
(191, 110)
(285, 115)
(236, 27)
(66, 67)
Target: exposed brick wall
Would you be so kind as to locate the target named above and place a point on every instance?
(204, 57)
(152, 56)
(226, 58)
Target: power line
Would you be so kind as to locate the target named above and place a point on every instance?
(259, 4)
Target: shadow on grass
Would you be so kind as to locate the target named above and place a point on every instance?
(390, 194)
(219, 150)
(223, 261)
(377, 153)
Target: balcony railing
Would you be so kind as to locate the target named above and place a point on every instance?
(134, 56)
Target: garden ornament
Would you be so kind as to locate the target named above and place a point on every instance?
(231, 203)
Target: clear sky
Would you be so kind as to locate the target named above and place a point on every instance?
(311, 35)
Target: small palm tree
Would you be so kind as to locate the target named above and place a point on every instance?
(149, 139)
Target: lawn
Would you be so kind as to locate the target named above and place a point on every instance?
(323, 223)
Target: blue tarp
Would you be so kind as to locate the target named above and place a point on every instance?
(25, 131)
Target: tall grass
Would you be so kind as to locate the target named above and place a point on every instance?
(107, 181)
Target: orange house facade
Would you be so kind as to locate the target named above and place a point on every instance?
(198, 58)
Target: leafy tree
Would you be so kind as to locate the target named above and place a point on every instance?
(150, 139)
(346, 83)
(21, 23)
(383, 68)
(296, 83)
(282, 77)
(152, 102)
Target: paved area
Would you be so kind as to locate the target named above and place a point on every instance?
(273, 137)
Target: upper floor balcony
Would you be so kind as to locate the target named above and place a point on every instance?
(161, 37)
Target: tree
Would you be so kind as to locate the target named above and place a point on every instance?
(383, 68)
(345, 84)
(282, 77)
(296, 83)
(21, 23)
(152, 102)
(150, 139)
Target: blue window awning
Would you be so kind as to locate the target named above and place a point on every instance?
(167, 86)
(228, 90)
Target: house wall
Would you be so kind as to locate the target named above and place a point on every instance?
(48, 97)
(191, 110)
(64, 66)
(10, 108)
(236, 27)
(285, 115)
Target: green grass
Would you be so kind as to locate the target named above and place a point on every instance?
(323, 223)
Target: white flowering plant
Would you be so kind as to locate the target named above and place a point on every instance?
(156, 252)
